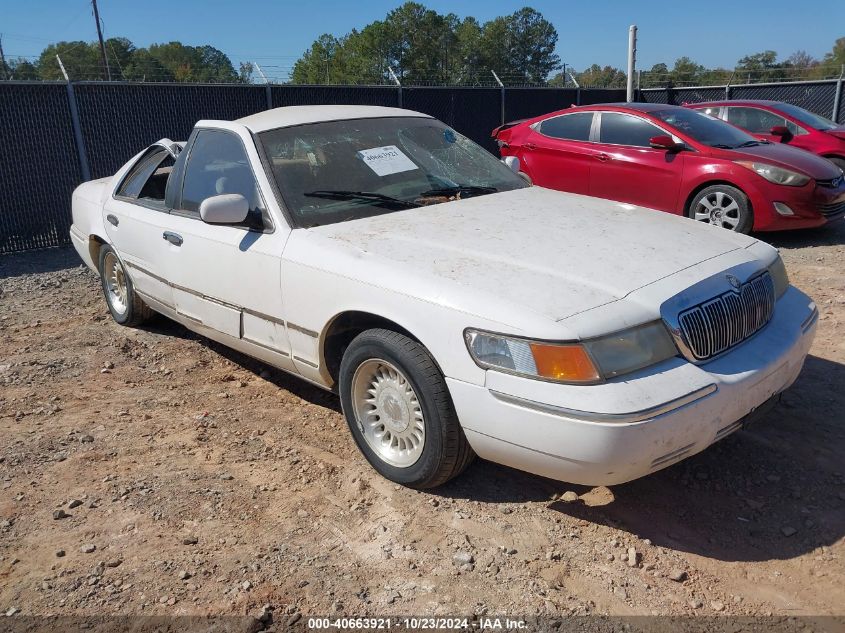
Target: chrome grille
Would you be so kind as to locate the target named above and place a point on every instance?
(716, 325)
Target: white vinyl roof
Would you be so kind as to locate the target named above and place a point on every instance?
(299, 115)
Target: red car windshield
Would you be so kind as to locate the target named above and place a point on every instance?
(705, 129)
(807, 118)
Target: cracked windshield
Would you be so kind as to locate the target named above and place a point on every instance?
(345, 170)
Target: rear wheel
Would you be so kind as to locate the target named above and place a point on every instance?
(398, 409)
(125, 305)
(724, 206)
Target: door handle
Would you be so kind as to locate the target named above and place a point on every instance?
(173, 238)
(529, 146)
(112, 219)
(602, 157)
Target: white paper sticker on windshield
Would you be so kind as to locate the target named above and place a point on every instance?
(386, 160)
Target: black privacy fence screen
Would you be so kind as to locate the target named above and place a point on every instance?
(54, 136)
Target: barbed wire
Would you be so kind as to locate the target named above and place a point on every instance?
(283, 72)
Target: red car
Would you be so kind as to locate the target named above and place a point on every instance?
(782, 123)
(678, 160)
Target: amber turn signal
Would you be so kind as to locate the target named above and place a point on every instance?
(568, 363)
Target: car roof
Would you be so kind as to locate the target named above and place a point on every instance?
(642, 107)
(301, 115)
(737, 102)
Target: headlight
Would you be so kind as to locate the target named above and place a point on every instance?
(777, 175)
(587, 362)
(781, 280)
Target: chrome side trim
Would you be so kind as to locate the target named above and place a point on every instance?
(677, 454)
(265, 346)
(299, 328)
(148, 298)
(810, 320)
(306, 362)
(261, 315)
(618, 418)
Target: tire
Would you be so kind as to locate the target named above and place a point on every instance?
(125, 305)
(408, 405)
(724, 206)
(839, 162)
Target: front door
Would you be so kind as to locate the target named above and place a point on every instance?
(226, 279)
(629, 170)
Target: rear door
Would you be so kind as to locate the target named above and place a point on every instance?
(135, 218)
(557, 152)
(629, 170)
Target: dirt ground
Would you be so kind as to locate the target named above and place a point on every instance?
(152, 471)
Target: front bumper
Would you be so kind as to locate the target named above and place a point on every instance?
(812, 205)
(632, 426)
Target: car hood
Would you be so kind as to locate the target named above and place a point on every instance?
(792, 158)
(557, 254)
(838, 132)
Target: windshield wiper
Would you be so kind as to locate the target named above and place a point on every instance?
(722, 146)
(372, 196)
(475, 190)
(751, 144)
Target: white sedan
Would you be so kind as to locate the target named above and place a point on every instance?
(456, 310)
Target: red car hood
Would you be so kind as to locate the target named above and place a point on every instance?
(838, 132)
(785, 156)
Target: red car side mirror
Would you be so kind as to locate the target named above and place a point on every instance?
(783, 132)
(664, 141)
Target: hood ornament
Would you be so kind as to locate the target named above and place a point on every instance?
(733, 281)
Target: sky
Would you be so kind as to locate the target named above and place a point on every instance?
(275, 33)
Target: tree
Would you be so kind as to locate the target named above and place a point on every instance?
(21, 70)
(422, 46)
(602, 77)
(801, 59)
(193, 63)
(80, 59)
(760, 67)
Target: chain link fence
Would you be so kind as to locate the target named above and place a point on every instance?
(53, 134)
(815, 96)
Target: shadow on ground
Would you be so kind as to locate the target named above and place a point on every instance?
(41, 261)
(774, 491)
(831, 234)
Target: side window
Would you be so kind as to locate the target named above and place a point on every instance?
(623, 129)
(570, 127)
(218, 164)
(754, 120)
(795, 129)
(711, 111)
(147, 181)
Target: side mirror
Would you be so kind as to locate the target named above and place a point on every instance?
(512, 162)
(664, 141)
(783, 132)
(227, 208)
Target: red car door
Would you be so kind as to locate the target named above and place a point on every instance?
(626, 168)
(557, 154)
(760, 122)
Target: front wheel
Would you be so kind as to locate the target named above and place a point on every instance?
(724, 206)
(399, 411)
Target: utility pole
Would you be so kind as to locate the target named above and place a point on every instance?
(103, 59)
(632, 60)
(2, 58)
